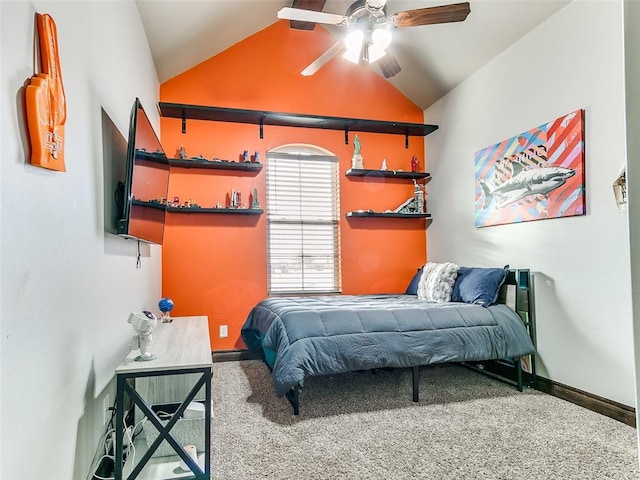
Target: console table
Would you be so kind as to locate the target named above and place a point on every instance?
(181, 348)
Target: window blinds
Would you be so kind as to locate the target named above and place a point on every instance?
(302, 220)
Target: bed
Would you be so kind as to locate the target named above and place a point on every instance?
(322, 335)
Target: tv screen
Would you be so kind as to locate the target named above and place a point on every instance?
(147, 180)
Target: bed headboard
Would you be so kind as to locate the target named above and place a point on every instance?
(517, 293)
(516, 283)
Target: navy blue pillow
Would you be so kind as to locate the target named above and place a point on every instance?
(478, 285)
(412, 289)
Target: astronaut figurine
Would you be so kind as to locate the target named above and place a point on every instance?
(143, 323)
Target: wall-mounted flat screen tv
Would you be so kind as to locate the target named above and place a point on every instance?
(144, 192)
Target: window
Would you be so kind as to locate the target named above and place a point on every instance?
(302, 221)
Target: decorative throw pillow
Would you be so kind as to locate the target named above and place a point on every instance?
(436, 282)
(479, 285)
(412, 289)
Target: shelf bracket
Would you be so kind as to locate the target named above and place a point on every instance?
(406, 140)
(261, 127)
(346, 135)
(184, 121)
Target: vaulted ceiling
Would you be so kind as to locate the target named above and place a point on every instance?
(434, 58)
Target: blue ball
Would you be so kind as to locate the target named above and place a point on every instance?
(165, 305)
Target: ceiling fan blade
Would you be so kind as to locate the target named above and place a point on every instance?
(388, 65)
(455, 12)
(288, 13)
(313, 5)
(319, 62)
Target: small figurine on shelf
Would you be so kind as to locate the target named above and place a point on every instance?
(384, 165)
(236, 199)
(245, 156)
(418, 196)
(414, 163)
(256, 157)
(255, 203)
(182, 153)
(356, 161)
(166, 305)
(218, 205)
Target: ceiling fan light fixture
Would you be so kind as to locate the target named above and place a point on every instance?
(352, 55)
(375, 53)
(353, 40)
(381, 37)
(353, 43)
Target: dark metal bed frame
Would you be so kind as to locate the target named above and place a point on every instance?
(523, 304)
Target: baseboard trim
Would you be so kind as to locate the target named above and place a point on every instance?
(235, 355)
(617, 411)
(604, 406)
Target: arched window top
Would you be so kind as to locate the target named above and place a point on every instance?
(301, 149)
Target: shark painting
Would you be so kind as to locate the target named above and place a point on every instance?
(523, 182)
(535, 175)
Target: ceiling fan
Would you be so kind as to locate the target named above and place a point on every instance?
(369, 30)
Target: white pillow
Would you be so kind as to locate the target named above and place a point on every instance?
(437, 281)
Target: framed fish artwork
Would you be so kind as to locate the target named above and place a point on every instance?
(536, 175)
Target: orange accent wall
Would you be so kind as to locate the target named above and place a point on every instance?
(217, 264)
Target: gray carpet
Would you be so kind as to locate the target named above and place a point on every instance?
(365, 426)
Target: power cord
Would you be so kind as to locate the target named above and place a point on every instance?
(109, 446)
(131, 435)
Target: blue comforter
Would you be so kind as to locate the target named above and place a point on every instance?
(334, 334)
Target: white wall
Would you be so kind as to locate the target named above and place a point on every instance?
(66, 286)
(581, 264)
(632, 87)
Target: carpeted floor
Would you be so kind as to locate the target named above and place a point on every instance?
(365, 426)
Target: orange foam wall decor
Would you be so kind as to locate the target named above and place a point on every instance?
(216, 265)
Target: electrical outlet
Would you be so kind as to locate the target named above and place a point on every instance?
(106, 409)
(224, 331)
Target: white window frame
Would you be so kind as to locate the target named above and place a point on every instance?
(297, 272)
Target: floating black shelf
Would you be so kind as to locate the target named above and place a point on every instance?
(215, 164)
(262, 117)
(156, 205)
(361, 172)
(426, 216)
(152, 157)
(387, 215)
(231, 211)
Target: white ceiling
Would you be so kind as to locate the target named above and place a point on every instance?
(434, 58)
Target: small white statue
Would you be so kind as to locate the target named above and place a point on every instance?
(255, 203)
(356, 160)
(384, 165)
